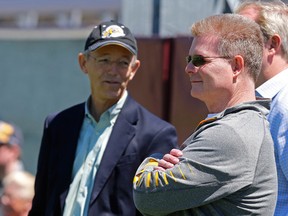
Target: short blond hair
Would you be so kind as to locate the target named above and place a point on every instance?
(236, 35)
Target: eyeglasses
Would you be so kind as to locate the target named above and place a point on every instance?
(199, 60)
(106, 62)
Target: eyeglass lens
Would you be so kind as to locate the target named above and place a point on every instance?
(197, 60)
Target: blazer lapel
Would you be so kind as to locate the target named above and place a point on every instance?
(122, 134)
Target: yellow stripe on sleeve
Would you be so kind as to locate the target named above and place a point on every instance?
(183, 176)
(173, 176)
(139, 180)
(148, 178)
(157, 179)
(165, 179)
(151, 163)
(191, 170)
(135, 179)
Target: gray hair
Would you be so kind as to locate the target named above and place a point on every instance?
(272, 18)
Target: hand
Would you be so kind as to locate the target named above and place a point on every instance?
(169, 160)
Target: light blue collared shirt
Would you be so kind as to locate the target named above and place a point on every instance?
(276, 88)
(92, 142)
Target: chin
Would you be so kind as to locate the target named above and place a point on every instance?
(114, 95)
(196, 95)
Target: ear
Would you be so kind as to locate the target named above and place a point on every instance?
(237, 65)
(82, 60)
(274, 43)
(134, 69)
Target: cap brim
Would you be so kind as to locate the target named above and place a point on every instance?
(111, 42)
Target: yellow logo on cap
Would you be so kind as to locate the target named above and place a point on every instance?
(6, 130)
(113, 31)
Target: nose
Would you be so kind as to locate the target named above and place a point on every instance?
(112, 67)
(190, 68)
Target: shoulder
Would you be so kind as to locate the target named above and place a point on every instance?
(279, 103)
(139, 112)
(67, 115)
(234, 129)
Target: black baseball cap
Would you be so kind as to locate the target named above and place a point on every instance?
(111, 33)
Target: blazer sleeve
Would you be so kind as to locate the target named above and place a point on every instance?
(163, 141)
(39, 200)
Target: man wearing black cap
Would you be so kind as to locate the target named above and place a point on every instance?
(90, 152)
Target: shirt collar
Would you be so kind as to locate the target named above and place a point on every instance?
(112, 111)
(211, 115)
(262, 105)
(272, 86)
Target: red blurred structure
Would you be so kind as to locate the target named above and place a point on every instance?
(162, 86)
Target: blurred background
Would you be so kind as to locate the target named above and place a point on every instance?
(40, 41)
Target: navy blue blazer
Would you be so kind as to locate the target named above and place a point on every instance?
(137, 134)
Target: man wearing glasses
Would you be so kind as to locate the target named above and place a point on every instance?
(90, 152)
(226, 167)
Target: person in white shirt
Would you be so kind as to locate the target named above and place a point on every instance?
(272, 18)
